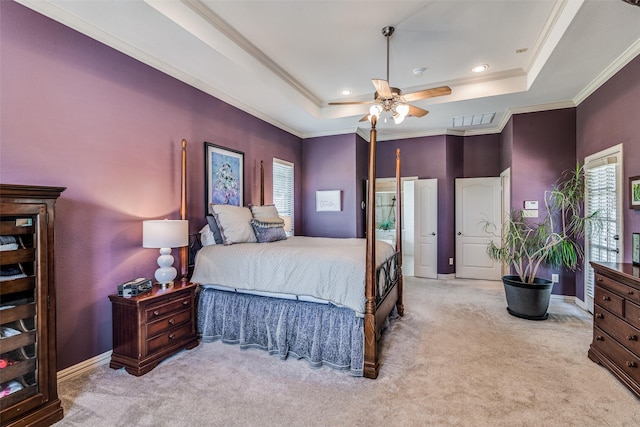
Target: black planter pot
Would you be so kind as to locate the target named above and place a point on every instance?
(525, 300)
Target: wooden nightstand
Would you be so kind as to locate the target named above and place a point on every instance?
(150, 327)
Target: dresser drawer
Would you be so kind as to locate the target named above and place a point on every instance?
(623, 358)
(620, 288)
(167, 306)
(609, 300)
(632, 313)
(167, 339)
(620, 330)
(166, 323)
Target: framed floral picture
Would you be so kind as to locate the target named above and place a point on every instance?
(224, 176)
(634, 192)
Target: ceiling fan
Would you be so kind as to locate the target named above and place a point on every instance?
(391, 99)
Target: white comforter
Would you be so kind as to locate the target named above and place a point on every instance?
(329, 269)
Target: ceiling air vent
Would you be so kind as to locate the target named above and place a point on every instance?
(475, 119)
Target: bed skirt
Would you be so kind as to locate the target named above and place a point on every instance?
(322, 334)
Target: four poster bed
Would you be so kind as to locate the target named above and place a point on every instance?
(326, 300)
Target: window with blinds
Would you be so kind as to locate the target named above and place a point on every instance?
(603, 195)
(283, 191)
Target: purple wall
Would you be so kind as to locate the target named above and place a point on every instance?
(543, 147)
(482, 156)
(76, 113)
(609, 117)
(330, 164)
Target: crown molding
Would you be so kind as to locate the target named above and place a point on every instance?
(626, 57)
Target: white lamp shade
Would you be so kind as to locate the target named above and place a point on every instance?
(165, 233)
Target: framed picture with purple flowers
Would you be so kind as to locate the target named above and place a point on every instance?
(224, 176)
(634, 192)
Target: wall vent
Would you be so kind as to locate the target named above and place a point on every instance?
(472, 120)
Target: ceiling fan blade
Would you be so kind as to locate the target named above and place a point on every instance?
(427, 93)
(351, 102)
(417, 112)
(382, 87)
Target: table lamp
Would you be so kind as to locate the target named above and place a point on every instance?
(165, 234)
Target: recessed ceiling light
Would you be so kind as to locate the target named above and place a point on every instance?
(346, 92)
(479, 68)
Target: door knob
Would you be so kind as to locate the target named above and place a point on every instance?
(459, 233)
(433, 233)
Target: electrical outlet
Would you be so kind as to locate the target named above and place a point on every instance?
(554, 278)
(450, 261)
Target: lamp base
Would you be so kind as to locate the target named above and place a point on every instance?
(166, 273)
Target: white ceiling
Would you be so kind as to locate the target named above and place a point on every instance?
(283, 61)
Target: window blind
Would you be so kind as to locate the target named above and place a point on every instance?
(602, 197)
(283, 189)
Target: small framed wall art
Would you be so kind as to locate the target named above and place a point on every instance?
(224, 176)
(634, 192)
(328, 200)
(635, 248)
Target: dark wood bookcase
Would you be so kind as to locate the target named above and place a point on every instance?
(28, 376)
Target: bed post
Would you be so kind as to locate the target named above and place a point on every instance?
(261, 183)
(184, 251)
(370, 342)
(399, 303)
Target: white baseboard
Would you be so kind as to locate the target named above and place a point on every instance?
(449, 276)
(94, 362)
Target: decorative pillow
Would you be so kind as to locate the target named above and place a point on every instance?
(269, 231)
(233, 222)
(213, 225)
(266, 211)
(206, 236)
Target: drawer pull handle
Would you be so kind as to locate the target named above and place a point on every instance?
(172, 336)
(156, 313)
(599, 279)
(171, 321)
(185, 302)
(599, 316)
(599, 338)
(606, 298)
(632, 337)
(630, 293)
(632, 364)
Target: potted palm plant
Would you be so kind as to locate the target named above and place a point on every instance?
(555, 241)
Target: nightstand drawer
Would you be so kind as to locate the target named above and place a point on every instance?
(168, 322)
(632, 313)
(609, 300)
(623, 358)
(620, 330)
(620, 288)
(167, 306)
(168, 338)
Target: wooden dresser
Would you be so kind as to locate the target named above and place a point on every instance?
(150, 327)
(616, 321)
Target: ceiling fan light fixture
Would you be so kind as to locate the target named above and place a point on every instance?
(402, 109)
(375, 110)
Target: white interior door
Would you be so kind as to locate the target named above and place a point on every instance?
(426, 228)
(505, 179)
(477, 200)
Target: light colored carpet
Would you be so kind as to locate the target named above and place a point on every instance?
(457, 358)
